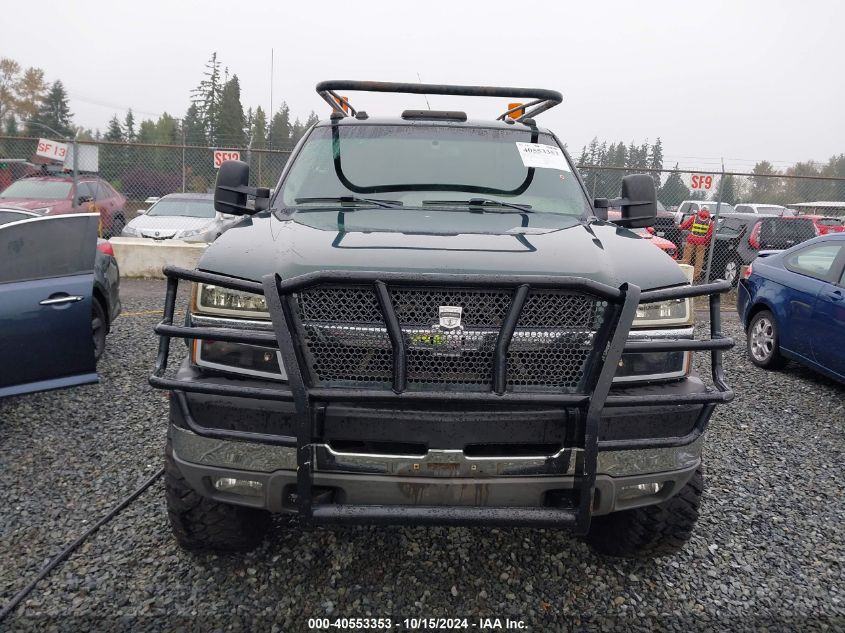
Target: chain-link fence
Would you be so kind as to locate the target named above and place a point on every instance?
(139, 171)
(717, 222)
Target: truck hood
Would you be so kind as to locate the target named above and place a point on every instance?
(439, 241)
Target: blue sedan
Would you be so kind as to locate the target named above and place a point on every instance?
(792, 305)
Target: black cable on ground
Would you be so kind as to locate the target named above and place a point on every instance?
(67, 551)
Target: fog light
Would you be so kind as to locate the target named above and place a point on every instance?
(640, 490)
(234, 486)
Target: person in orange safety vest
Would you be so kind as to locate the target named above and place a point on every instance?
(700, 227)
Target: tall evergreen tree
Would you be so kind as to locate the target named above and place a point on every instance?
(258, 133)
(129, 126)
(115, 132)
(311, 120)
(231, 121)
(193, 127)
(54, 112)
(280, 129)
(655, 160)
(673, 191)
(207, 96)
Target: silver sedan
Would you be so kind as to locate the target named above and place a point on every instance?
(181, 216)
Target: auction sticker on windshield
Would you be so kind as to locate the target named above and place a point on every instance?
(546, 156)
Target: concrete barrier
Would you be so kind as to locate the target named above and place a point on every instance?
(138, 257)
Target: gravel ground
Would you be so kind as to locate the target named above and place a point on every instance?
(768, 551)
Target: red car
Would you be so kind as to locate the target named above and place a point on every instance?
(825, 224)
(665, 245)
(51, 195)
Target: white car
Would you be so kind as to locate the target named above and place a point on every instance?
(181, 216)
(691, 207)
(763, 209)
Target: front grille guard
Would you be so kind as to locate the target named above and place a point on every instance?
(612, 337)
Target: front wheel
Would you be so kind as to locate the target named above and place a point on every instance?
(199, 523)
(763, 341)
(650, 531)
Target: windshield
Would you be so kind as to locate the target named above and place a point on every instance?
(433, 166)
(183, 208)
(38, 189)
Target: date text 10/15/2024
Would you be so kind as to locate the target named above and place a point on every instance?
(416, 624)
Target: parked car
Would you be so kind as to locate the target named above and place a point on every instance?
(51, 195)
(690, 207)
(59, 294)
(12, 169)
(665, 227)
(739, 237)
(825, 224)
(792, 305)
(106, 306)
(762, 209)
(181, 216)
(650, 233)
(412, 330)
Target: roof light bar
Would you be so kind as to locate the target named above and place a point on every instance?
(542, 99)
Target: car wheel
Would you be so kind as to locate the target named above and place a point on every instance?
(118, 223)
(99, 328)
(763, 348)
(650, 531)
(731, 272)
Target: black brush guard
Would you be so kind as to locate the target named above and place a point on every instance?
(612, 338)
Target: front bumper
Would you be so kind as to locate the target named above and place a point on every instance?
(331, 427)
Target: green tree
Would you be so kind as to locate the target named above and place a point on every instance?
(762, 189)
(280, 129)
(10, 125)
(673, 191)
(312, 120)
(54, 112)
(727, 189)
(231, 121)
(296, 131)
(655, 161)
(9, 77)
(114, 132)
(207, 96)
(129, 126)
(258, 133)
(193, 127)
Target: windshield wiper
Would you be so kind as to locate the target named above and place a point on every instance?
(479, 202)
(387, 204)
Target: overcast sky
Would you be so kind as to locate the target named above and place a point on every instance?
(741, 80)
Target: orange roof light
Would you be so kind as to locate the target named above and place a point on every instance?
(343, 102)
(516, 113)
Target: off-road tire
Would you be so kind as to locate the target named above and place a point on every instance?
(774, 360)
(199, 523)
(650, 531)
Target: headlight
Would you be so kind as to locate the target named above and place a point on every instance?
(664, 313)
(130, 230)
(209, 299)
(190, 232)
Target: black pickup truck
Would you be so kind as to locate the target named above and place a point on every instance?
(428, 321)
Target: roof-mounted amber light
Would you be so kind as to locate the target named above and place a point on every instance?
(343, 102)
(516, 113)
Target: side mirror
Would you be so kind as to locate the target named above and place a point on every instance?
(638, 202)
(600, 207)
(232, 190)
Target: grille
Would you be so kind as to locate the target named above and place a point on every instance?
(345, 340)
